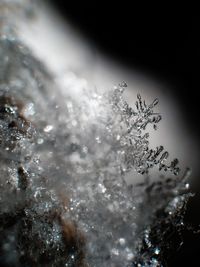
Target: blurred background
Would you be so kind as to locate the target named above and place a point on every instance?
(155, 52)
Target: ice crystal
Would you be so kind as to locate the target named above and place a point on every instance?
(64, 199)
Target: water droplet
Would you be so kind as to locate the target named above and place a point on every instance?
(187, 186)
(40, 141)
(98, 140)
(48, 128)
(122, 241)
(118, 137)
(102, 188)
(157, 251)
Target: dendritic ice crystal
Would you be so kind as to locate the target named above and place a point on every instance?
(64, 198)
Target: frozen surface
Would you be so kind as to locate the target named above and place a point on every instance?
(64, 159)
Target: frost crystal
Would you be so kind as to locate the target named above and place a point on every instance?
(64, 199)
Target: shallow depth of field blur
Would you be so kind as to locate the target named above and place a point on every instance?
(77, 61)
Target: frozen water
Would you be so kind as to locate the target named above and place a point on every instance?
(64, 200)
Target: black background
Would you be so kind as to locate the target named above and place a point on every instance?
(163, 43)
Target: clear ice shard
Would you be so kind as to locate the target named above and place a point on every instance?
(64, 200)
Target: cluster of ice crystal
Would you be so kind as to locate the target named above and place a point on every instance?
(64, 200)
(167, 199)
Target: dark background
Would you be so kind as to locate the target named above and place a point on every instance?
(161, 43)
